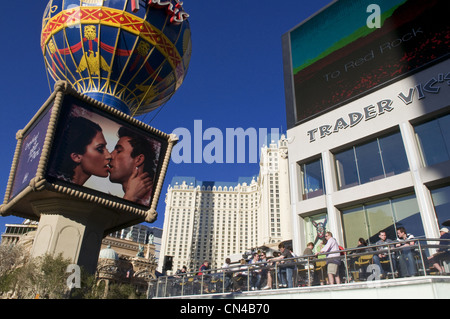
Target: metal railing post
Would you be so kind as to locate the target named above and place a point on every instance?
(223, 281)
(421, 258)
(183, 283)
(276, 275)
(165, 288)
(390, 261)
(201, 285)
(346, 268)
(248, 278)
(309, 272)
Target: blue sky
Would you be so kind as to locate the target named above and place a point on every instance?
(235, 78)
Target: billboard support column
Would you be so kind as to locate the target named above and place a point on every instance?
(73, 229)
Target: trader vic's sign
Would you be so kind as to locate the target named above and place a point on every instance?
(419, 92)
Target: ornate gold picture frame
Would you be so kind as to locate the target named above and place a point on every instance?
(35, 171)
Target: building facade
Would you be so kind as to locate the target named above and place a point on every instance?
(390, 169)
(213, 220)
(368, 122)
(15, 232)
(142, 234)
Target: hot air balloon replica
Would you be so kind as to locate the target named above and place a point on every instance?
(111, 61)
(132, 55)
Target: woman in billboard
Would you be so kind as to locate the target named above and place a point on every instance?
(84, 151)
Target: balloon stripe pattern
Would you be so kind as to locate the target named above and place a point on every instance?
(132, 55)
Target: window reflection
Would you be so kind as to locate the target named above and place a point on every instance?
(380, 158)
(393, 154)
(369, 162)
(346, 169)
(441, 201)
(355, 225)
(367, 220)
(312, 179)
(433, 138)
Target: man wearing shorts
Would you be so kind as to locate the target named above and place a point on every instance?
(333, 260)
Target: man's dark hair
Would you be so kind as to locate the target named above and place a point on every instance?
(140, 145)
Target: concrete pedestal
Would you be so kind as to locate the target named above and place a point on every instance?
(73, 228)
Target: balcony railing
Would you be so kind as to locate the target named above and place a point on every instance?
(369, 263)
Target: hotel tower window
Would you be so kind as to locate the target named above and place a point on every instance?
(312, 179)
(379, 158)
(367, 220)
(433, 138)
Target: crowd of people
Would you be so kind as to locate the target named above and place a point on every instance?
(286, 270)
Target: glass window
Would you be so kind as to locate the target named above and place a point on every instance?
(312, 179)
(369, 162)
(379, 217)
(346, 169)
(441, 201)
(380, 158)
(355, 225)
(367, 220)
(393, 155)
(406, 214)
(433, 138)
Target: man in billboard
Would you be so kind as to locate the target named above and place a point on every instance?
(132, 166)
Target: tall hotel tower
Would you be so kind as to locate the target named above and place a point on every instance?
(207, 220)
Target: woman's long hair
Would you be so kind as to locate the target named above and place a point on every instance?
(78, 133)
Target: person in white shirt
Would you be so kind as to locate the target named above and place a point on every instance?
(228, 274)
(255, 274)
(332, 263)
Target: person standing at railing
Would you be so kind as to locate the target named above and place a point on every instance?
(378, 258)
(255, 273)
(442, 253)
(265, 274)
(240, 277)
(333, 260)
(309, 249)
(285, 267)
(180, 279)
(295, 270)
(227, 274)
(360, 272)
(406, 258)
(307, 268)
(202, 271)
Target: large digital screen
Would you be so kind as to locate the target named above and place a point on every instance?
(94, 151)
(340, 54)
